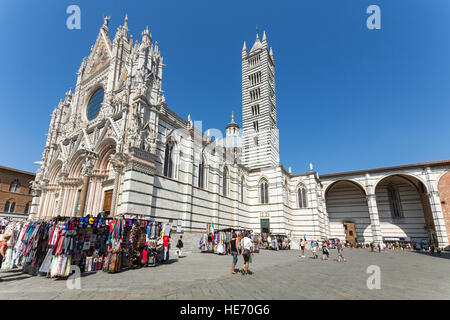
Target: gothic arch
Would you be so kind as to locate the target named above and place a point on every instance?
(76, 164)
(104, 151)
(54, 171)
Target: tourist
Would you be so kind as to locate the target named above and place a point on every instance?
(314, 248)
(340, 248)
(325, 251)
(302, 246)
(166, 247)
(246, 245)
(4, 223)
(234, 252)
(3, 248)
(180, 246)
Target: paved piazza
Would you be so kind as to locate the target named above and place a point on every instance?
(276, 275)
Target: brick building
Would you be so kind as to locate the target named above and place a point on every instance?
(444, 193)
(15, 192)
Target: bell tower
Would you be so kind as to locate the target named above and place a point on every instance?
(259, 112)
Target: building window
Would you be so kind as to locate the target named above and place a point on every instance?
(95, 104)
(255, 126)
(264, 192)
(255, 94)
(9, 206)
(254, 78)
(225, 181)
(27, 208)
(242, 189)
(255, 110)
(394, 201)
(201, 174)
(14, 186)
(286, 193)
(168, 160)
(302, 200)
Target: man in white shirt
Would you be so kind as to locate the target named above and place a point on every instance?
(246, 245)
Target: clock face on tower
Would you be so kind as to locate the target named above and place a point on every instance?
(95, 104)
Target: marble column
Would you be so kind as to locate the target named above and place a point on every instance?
(374, 218)
(438, 219)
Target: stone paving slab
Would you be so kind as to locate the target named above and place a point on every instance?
(275, 275)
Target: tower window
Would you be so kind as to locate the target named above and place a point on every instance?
(255, 94)
(255, 126)
(254, 78)
(254, 61)
(255, 110)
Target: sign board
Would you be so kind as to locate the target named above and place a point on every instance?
(179, 226)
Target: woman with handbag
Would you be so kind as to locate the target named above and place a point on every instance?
(246, 245)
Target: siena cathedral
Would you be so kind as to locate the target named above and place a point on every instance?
(115, 146)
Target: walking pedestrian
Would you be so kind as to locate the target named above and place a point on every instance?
(3, 248)
(314, 248)
(234, 251)
(246, 245)
(302, 246)
(340, 248)
(325, 252)
(180, 244)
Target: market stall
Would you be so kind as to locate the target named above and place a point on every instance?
(50, 247)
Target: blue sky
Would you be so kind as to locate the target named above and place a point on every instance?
(348, 98)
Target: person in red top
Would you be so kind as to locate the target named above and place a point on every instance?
(166, 247)
(3, 248)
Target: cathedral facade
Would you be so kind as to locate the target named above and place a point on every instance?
(115, 146)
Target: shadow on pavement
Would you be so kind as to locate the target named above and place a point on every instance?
(443, 255)
(2, 279)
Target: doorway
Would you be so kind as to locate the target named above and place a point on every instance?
(265, 225)
(107, 200)
(350, 232)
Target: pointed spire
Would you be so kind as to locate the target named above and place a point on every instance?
(126, 21)
(264, 36)
(232, 116)
(146, 35)
(244, 48)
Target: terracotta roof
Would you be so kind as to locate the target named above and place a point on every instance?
(414, 165)
(18, 171)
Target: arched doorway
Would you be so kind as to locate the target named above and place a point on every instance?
(348, 213)
(404, 210)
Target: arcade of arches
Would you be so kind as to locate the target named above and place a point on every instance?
(398, 209)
